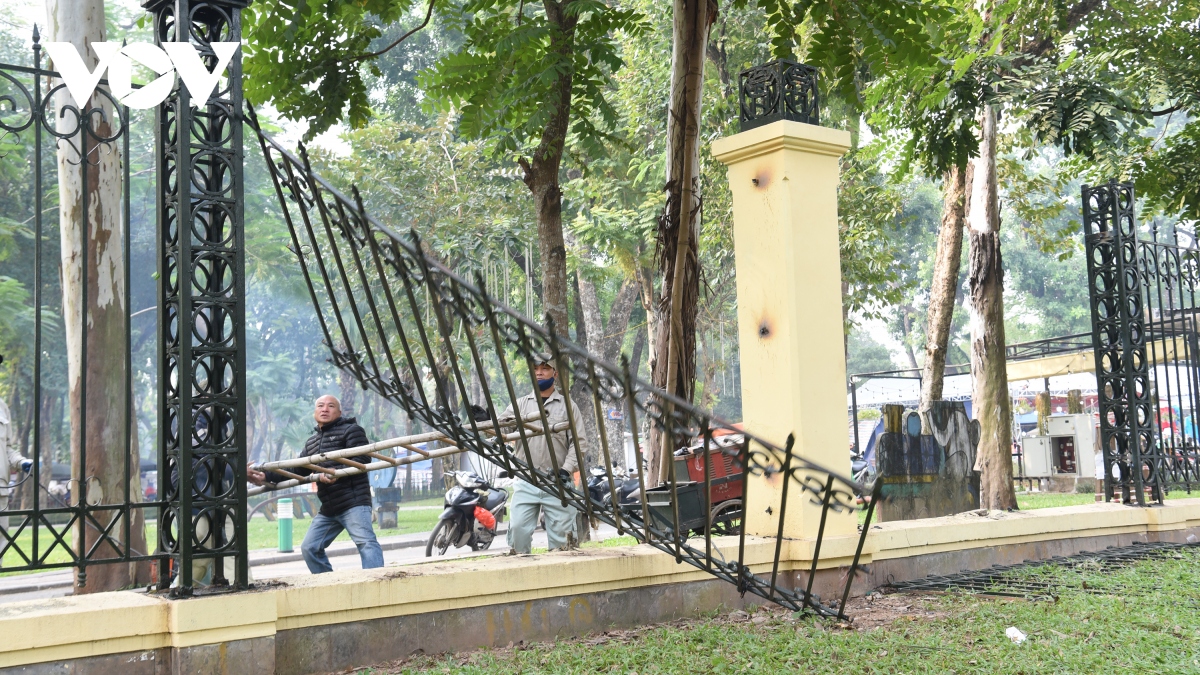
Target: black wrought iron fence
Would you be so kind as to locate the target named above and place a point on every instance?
(390, 313)
(95, 514)
(389, 310)
(1143, 285)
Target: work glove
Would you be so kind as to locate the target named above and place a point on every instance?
(26, 465)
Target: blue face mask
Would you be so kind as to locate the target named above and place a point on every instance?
(545, 384)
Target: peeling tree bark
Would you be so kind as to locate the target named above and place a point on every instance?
(103, 385)
(989, 396)
(943, 290)
(674, 367)
(645, 278)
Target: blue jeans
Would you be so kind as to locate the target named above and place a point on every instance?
(324, 529)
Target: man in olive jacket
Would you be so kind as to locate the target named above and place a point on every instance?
(528, 499)
(345, 500)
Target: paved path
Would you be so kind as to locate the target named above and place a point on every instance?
(404, 549)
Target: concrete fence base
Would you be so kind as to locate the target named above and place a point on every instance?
(318, 624)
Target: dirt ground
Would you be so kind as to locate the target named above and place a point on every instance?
(871, 612)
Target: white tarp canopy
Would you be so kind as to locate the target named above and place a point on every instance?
(878, 391)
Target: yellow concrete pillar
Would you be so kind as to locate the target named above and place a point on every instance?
(784, 179)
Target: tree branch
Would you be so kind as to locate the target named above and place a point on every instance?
(428, 14)
(1075, 16)
(1152, 113)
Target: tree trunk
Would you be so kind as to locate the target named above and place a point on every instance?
(99, 385)
(590, 334)
(1074, 402)
(347, 391)
(639, 344)
(49, 417)
(541, 173)
(618, 321)
(1041, 403)
(605, 339)
(708, 373)
(678, 231)
(645, 277)
(906, 326)
(991, 403)
(943, 290)
(618, 326)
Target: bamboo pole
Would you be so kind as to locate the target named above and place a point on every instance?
(312, 462)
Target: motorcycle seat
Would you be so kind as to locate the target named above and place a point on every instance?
(494, 499)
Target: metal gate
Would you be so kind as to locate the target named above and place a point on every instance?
(1142, 285)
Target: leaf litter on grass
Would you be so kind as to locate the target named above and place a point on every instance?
(899, 633)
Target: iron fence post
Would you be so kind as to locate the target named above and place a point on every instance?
(201, 267)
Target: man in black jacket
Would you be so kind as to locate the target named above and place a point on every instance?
(345, 500)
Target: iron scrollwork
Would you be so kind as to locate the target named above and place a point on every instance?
(400, 321)
(1142, 292)
(779, 90)
(44, 131)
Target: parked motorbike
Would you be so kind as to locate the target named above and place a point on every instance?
(863, 473)
(628, 490)
(469, 505)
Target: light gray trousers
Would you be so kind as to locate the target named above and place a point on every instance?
(527, 500)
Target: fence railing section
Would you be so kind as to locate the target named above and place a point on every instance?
(72, 408)
(395, 318)
(1143, 291)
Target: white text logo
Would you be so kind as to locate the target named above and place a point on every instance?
(178, 57)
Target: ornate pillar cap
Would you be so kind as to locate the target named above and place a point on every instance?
(779, 90)
(155, 5)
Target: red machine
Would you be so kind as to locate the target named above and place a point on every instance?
(724, 473)
(723, 507)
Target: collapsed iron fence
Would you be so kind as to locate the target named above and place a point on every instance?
(1086, 572)
(410, 329)
(1143, 288)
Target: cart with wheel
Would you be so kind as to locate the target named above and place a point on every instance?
(723, 503)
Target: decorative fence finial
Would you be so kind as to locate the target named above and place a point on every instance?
(779, 90)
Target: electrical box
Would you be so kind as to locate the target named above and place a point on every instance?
(1082, 429)
(1036, 455)
(1069, 450)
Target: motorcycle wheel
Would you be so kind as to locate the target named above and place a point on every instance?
(441, 544)
(727, 518)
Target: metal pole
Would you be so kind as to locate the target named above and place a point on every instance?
(854, 412)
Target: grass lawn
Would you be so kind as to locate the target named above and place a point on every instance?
(262, 534)
(603, 543)
(1153, 628)
(1045, 500)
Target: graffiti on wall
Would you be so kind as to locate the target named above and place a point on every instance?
(929, 474)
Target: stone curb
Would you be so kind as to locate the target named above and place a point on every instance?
(255, 561)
